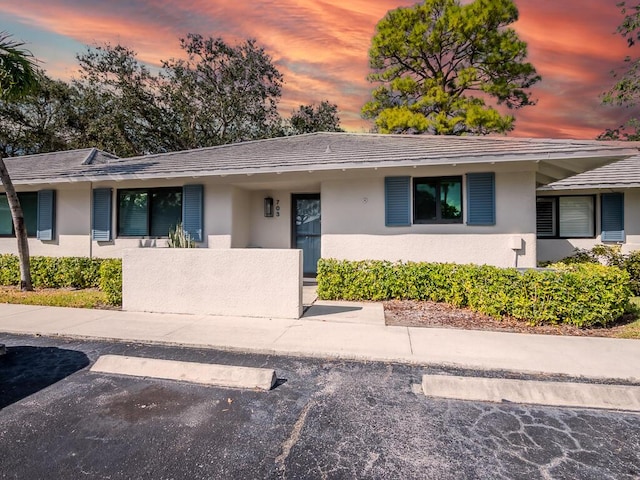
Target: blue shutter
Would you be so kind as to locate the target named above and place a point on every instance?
(192, 210)
(46, 214)
(612, 217)
(481, 199)
(101, 227)
(397, 206)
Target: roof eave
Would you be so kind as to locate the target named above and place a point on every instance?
(606, 155)
(598, 186)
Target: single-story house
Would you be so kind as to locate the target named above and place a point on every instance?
(594, 207)
(333, 195)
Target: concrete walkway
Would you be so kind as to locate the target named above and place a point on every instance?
(345, 330)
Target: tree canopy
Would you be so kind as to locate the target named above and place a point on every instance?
(322, 117)
(37, 122)
(217, 94)
(439, 62)
(626, 90)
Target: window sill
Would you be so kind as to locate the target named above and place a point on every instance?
(141, 237)
(438, 222)
(566, 238)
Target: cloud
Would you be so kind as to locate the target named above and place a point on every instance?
(321, 47)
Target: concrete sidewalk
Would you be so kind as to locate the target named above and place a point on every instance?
(346, 330)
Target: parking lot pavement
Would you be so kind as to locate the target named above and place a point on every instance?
(324, 419)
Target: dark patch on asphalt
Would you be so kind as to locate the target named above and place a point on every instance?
(150, 402)
(25, 370)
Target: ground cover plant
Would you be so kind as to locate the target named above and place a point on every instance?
(56, 297)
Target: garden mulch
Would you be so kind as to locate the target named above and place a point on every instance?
(411, 313)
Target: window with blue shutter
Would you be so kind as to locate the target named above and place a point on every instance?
(481, 199)
(437, 200)
(149, 212)
(29, 205)
(46, 214)
(397, 201)
(612, 217)
(101, 228)
(192, 210)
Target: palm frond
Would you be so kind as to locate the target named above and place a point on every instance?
(18, 69)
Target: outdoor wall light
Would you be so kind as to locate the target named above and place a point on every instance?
(268, 207)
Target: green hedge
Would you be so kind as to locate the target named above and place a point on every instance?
(75, 272)
(612, 256)
(582, 295)
(111, 280)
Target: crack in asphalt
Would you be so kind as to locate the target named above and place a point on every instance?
(289, 443)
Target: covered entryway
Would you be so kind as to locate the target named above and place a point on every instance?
(306, 229)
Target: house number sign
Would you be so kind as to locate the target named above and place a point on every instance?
(277, 208)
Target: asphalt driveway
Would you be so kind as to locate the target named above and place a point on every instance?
(325, 419)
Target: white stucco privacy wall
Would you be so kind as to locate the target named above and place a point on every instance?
(234, 282)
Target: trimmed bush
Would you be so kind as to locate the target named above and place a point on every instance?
(9, 270)
(111, 280)
(53, 272)
(581, 294)
(74, 272)
(610, 255)
(632, 266)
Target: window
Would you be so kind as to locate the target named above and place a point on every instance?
(148, 212)
(437, 200)
(612, 215)
(566, 217)
(29, 204)
(546, 216)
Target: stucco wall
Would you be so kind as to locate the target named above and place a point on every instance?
(236, 282)
(271, 232)
(71, 228)
(240, 221)
(551, 249)
(468, 248)
(353, 225)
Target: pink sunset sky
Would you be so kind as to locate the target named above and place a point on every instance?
(321, 47)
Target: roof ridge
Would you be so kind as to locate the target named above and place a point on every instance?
(89, 159)
(229, 145)
(57, 152)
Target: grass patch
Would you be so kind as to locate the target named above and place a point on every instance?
(632, 330)
(55, 297)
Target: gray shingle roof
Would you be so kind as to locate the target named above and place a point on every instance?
(318, 151)
(621, 174)
(55, 165)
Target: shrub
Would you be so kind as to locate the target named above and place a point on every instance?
(179, 238)
(581, 294)
(9, 270)
(75, 272)
(610, 255)
(52, 272)
(632, 266)
(111, 280)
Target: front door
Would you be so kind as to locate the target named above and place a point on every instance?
(306, 231)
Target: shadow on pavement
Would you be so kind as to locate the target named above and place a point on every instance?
(317, 310)
(27, 370)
